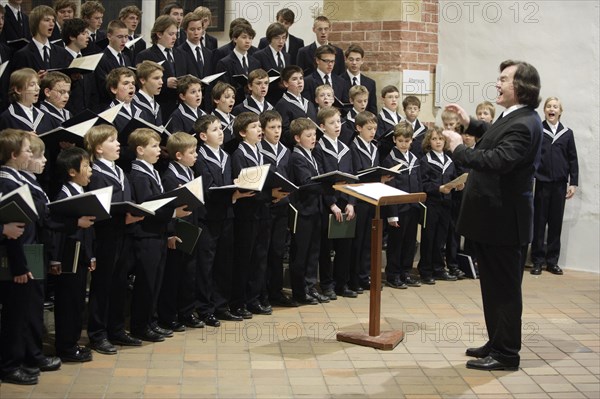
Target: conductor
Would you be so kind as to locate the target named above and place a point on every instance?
(497, 207)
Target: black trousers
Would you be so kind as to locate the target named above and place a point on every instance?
(402, 244)
(548, 210)
(433, 237)
(15, 303)
(501, 274)
(34, 333)
(214, 270)
(278, 238)
(334, 275)
(304, 254)
(177, 297)
(150, 257)
(108, 288)
(69, 305)
(360, 266)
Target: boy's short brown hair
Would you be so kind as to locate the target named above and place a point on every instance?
(257, 74)
(19, 80)
(286, 14)
(275, 29)
(62, 4)
(52, 78)
(427, 138)
(447, 115)
(90, 7)
(183, 84)
(321, 88)
(327, 113)
(269, 116)
(161, 24)
(321, 18)
(204, 12)
(240, 29)
(114, 77)
(37, 145)
(96, 136)
(236, 22)
(490, 107)
(403, 129)
(141, 138)
(357, 91)
(364, 118)
(180, 142)
(220, 89)
(37, 14)
(324, 49)
(389, 89)
(241, 122)
(125, 11)
(190, 17)
(11, 142)
(147, 68)
(299, 125)
(114, 25)
(201, 125)
(354, 48)
(411, 100)
(288, 71)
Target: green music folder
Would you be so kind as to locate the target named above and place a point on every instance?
(344, 229)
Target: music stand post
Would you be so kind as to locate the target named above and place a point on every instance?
(386, 340)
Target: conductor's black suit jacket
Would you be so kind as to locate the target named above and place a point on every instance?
(497, 205)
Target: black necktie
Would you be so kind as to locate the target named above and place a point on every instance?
(354, 82)
(131, 37)
(34, 114)
(202, 41)
(46, 57)
(78, 55)
(121, 62)
(93, 36)
(327, 80)
(199, 57)
(244, 65)
(279, 61)
(170, 61)
(19, 18)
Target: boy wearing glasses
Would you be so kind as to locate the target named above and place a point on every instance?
(325, 59)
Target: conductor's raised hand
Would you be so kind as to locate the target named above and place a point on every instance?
(463, 116)
(454, 139)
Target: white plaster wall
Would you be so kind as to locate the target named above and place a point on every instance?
(561, 39)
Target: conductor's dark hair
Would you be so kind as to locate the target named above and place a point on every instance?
(67, 159)
(526, 82)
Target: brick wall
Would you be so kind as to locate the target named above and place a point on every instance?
(394, 45)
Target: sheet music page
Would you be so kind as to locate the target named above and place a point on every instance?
(376, 190)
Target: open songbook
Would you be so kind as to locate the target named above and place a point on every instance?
(17, 206)
(70, 134)
(132, 43)
(207, 80)
(250, 179)
(81, 65)
(147, 208)
(335, 177)
(190, 194)
(93, 203)
(106, 117)
(375, 173)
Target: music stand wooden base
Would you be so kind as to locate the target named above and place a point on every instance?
(375, 338)
(386, 341)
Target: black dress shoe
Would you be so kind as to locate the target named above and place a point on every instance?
(49, 363)
(257, 308)
(324, 298)
(307, 300)
(456, 272)
(554, 269)
(227, 315)
(428, 280)
(165, 332)
(346, 293)
(125, 340)
(192, 321)
(482, 351)
(148, 335)
(444, 276)
(104, 347)
(211, 320)
(19, 377)
(536, 270)
(242, 312)
(266, 304)
(35, 371)
(357, 288)
(174, 326)
(489, 364)
(411, 282)
(75, 356)
(396, 283)
(366, 286)
(329, 293)
(285, 302)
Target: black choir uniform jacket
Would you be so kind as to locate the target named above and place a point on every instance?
(559, 156)
(302, 167)
(349, 127)
(416, 147)
(227, 49)
(15, 118)
(226, 125)
(107, 63)
(201, 71)
(137, 48)
(369, 84)
(385, 131)
(56, 36)
(250, 105)
(151, 114)
(183, 119)
(280, 160)
(314, 80)
(181, 37)
(167, 98)
(267, 62)
(84, 92)
(434, 174)
(251, 208)
(290, 108)
(329, 159)
(4, 79)
(306, 59)
(295, 45)
(215, 173)
(364, 156)
(58, 115)
(30, 57)
(93, 47)
(409, 179)
(12, 29)
(210, 42)
(120, 122)
(233, 66)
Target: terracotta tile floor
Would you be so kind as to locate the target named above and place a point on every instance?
(294, 352)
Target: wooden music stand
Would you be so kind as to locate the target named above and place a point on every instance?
(386, 340)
